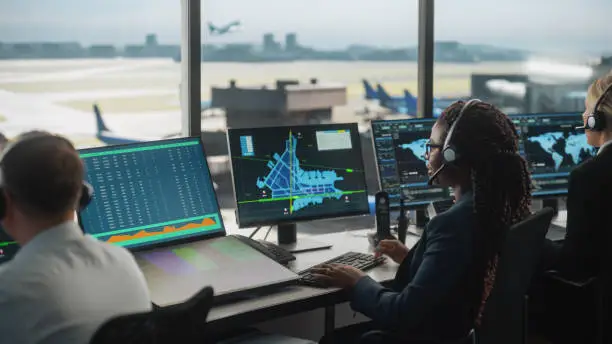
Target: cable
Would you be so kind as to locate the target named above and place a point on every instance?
(268, 232)
(254, 232)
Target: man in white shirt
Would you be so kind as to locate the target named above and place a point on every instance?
(62, 285)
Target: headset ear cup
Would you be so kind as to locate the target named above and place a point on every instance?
(2, 204)
(86, 196)
(449, 155)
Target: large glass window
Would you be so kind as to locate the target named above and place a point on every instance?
(59, 58)
(524, 56)
(352, 61)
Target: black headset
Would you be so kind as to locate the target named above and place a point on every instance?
(596, 121)
(450, 154)
(86, 193)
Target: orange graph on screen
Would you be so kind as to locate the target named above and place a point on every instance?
(168, 229)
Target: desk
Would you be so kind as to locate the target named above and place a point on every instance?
(298, 299)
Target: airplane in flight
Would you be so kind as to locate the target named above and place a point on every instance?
(222, 30)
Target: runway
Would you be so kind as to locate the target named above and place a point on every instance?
(140, 97)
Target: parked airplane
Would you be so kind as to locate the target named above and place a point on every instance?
(108, 137)
(229, 28)
(406, 104)
(372, 94)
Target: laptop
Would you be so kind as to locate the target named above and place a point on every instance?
(157, 199)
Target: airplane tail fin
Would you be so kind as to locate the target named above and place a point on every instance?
(211, 28)
(370, 93)
(382, 94)
(100, 125)
(411, 101)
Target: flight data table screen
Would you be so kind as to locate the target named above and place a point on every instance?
(150, 193)
(552, 146)
(288, 173)
(400, 147)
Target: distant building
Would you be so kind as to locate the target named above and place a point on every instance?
(269, 44)
(103, 51)
(291, 43)
(151, 40)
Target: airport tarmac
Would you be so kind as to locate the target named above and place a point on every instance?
(141, 96)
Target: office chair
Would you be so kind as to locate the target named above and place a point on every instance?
(505, 316)
(176, 324)
(601, 285)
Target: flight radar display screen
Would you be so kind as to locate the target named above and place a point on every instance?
(400, 146)
(150, 193)
(552, 147)
(287, 174)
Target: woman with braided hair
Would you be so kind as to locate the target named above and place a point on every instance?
(443, 282)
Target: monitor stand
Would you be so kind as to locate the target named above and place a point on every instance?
(287, 239)
(552, 203)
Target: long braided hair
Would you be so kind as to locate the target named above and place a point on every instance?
(501, 185)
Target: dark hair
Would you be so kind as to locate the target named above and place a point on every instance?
(488, 143)
(42, 173)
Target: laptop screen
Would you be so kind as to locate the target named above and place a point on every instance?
(150, 193)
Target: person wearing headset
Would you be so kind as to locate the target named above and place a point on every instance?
(590, 186)
(61, 285)
(562, 313)
(443, 282)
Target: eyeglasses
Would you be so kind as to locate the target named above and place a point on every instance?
(429, 146)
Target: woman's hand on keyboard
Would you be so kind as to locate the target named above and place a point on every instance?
(392, 248)
(336, 275)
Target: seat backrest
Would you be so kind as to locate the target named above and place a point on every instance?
(181, 323)
(502, 320)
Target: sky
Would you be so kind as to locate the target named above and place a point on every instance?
(544, 25)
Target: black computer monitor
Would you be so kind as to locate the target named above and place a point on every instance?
(283, 175)
(552, 146)
(150, 194)
(399, 147)
(8, 247)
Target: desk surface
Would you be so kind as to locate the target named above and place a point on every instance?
(297, 295)
(286, 301)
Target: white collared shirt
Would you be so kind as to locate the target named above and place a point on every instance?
(606, 144)
(62, 285)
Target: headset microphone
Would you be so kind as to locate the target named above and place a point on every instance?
(435, 175)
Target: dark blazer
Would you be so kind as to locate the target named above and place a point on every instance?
(589, 220)
(430, 297)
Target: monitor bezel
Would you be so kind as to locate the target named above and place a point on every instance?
(420, 205)
(204, 236)
(247, 224)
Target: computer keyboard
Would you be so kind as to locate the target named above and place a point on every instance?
(556, 232)
(361, 261)
(269, 249)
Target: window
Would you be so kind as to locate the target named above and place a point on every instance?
(524, 56)
(58, 59)
(343, 44)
